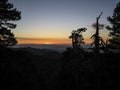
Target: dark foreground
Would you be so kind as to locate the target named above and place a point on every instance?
(20, 69)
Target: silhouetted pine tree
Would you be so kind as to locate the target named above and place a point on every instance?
(8, 15)
(114, 41)
(97, 40)
(77, 38)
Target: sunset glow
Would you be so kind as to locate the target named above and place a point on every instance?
(52, 21)
(43, 41)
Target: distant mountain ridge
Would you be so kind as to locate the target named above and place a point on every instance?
(54, 47)
(59, 48)
(47, 53)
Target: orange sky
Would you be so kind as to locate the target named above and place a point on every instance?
(47, 41)
(53, 22)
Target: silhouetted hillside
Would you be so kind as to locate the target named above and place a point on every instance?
(23, 68)
(47, 53)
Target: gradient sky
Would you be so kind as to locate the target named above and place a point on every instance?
(51, 21)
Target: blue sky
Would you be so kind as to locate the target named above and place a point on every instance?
(57, 18)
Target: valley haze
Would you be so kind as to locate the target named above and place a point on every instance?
(55, 47)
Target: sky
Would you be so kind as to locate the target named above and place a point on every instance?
(52, 21)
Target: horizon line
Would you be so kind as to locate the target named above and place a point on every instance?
(57, 41)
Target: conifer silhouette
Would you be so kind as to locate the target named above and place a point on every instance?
(77, 38)
(97, 40)
(114, 41)
(8, 15)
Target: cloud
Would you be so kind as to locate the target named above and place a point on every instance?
(101, 26)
